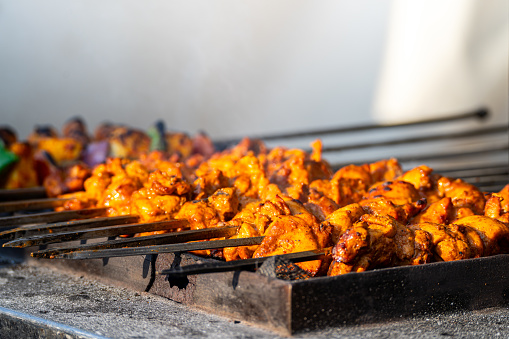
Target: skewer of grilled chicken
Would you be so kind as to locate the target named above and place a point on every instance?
(255, 190)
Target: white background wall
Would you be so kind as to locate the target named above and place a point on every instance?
(235, 68)
(230, 68)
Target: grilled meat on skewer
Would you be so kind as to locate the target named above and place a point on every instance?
(375, 215)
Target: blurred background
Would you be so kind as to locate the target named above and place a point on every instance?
(251, 68)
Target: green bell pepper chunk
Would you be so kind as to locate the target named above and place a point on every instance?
(157, 137)
(7, 158)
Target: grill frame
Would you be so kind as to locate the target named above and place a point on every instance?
(290, 307)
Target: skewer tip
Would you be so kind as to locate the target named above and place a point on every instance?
(15, 243)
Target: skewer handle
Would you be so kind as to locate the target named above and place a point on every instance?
(30, 205)
(22, 193)
(48, 217)
(172, 248)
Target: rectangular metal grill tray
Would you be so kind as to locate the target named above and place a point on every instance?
(290, 307)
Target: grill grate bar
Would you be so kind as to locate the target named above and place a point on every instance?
(481, 113)
(485, 179)
(435, 137)
(475, 170)
(150, 240)
(31, 205)
(22, 193)
(434, 156)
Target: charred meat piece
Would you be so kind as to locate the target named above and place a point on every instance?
(343, 219)
(76, 129)
(402, 213)
(369, 244)
(448, 245)
(374, 215)
(7, 136)
(424, 181)
(72, 179)
(494, 208)
(399, 192)
(462, 194)
(161, 196)
(128, 142)
(439, 212)
(385, 170)
(494, 234)
(289, 233)
(21, 170)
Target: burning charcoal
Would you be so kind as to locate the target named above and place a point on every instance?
(277, 267)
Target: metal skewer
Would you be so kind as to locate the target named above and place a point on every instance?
(473, 171)
(110, 231)
(434, 137)
(434, 156)
(48, 217)
(159, 239)
(22, 193)
(74, 225)
(245, 264)
(35, 204)
(480, 113)
(171, 248)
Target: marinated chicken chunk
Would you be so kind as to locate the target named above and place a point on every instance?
(343, 219)
(21, 173)
(71, 180)
(246, 230)
(385, 170)
(494, 234)
(448, 245)
(398, 192)
(463, 195)
(418, 176)
(368, 244)
(374, 215)
(298, 232)
(439, 212)
(402, 213)
(161, 197)
(497, 205)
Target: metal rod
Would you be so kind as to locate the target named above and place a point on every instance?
(475, 170)
(481, 113)
(30, 205)
(246, 264)
(48, 217)
(75, 225)
(22, 193)
(172, 248)
(493, 184)
(435, 137)
(101, 232)
(432, 156)
(159, 239)
(487, 179)
(496, 149)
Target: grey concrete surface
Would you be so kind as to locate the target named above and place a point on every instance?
(93, 309)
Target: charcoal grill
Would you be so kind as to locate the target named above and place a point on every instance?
(293, 306)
